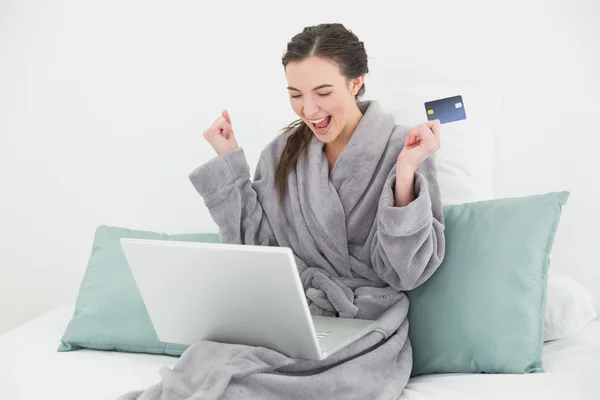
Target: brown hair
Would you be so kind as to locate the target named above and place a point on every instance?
(331, 41)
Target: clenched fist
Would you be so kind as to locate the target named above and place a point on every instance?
(220, 134)
(421, 141)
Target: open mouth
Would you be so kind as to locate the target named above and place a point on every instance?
(323, 125)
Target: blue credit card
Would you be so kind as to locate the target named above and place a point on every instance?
(446, 110)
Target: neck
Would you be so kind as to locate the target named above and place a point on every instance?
(338, 145)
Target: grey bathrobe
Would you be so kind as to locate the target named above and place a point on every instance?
(356, 254)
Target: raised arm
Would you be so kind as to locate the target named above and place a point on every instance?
(233, 200)
(409, 241)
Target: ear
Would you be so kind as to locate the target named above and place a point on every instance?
(356, 84)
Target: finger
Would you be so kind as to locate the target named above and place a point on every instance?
(222, 126)
(426, 133)
(435, 126)
(225, 115)
(414, 138)
(218, 124)
(431, 141)
(408, 136)
(211, 132)
(227, 130)
(413, 134)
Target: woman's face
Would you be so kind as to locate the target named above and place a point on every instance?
(322, 97)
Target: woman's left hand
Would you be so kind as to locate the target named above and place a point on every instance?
(421, 141)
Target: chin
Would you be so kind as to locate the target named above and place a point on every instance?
(326, 138)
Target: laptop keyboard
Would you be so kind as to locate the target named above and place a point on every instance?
(322, 334)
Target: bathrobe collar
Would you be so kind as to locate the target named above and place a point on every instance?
(331, 197)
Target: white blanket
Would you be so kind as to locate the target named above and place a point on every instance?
(32, 369)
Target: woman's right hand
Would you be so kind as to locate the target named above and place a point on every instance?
(220, 134)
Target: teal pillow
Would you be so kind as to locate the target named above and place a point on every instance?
(483, 309)
(109, 311)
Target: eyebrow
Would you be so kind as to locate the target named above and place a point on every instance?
(317, 88)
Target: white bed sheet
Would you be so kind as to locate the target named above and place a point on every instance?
(32, 368)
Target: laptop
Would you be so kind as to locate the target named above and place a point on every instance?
(231, 293)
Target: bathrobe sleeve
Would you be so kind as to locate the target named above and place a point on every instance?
(409, 242)
(233, 200)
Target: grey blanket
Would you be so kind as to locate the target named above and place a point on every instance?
(356, 254)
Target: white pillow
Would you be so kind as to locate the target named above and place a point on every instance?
(465, 159)
(569, 307)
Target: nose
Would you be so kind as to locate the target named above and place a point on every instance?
(310, 109)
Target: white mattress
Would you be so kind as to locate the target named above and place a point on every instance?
(32, 368)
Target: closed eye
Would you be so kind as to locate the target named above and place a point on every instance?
(320, 94)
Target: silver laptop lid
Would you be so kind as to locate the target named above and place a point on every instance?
(222, 292)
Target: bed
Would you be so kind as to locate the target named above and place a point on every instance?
(31, 368)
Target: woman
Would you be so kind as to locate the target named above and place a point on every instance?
(356, 198)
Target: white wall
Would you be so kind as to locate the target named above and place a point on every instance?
(102, 107)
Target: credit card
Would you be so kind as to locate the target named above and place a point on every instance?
(446, 110)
